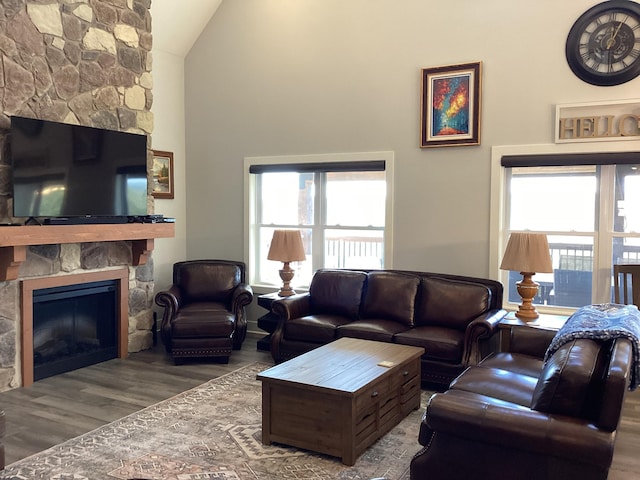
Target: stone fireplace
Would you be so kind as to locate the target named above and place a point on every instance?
(88, 63)
(35, 257)
(74, 321)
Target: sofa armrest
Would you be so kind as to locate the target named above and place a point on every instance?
(241, 297)
(481, 328)
(485, 420)
(295, 306)
(171, 300)
(287, 308)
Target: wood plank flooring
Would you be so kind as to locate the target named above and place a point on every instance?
(62, 407)
(58, 408)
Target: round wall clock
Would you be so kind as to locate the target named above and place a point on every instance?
(603, 46)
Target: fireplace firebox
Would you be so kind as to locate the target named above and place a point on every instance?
(74, 326)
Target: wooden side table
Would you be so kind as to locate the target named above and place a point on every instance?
(269, 321)
(544, 322)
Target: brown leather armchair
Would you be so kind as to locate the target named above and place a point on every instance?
(204, 309)
(517, 416)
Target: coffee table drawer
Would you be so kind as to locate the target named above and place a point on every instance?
(374, 404)
(373, 395)
(407, 383)
(381, 416)
(406, 373)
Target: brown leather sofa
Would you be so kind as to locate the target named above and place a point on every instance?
(204, 309)
(454, 318)
(514, 416)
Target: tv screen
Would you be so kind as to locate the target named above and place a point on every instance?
(64, 170)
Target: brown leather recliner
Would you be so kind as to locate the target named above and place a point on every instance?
(516, 416)
(204, 309)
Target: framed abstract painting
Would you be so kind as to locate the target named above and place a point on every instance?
(450, 113)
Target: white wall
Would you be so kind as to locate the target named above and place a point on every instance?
(278, 77)
(169, 135)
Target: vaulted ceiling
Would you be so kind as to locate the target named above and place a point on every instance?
(177, 24)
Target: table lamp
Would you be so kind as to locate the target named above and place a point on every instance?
(286, 246)
(527, 253)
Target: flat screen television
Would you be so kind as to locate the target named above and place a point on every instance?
(64, 170)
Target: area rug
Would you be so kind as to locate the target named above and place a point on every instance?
(210, 432)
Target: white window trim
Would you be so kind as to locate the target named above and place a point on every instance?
(497, 240)
(249, 201)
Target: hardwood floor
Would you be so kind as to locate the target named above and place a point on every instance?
(58, 408)
(62, 407)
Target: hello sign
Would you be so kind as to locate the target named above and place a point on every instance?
(601, 121)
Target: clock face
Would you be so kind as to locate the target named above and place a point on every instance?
(603, 46)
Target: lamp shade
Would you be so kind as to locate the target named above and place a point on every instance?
(286, 246)
(527, 252)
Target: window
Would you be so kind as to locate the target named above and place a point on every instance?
(589, 207)
(340, 203)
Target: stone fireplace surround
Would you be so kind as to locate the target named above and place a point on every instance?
(34, 257)
(86, 62)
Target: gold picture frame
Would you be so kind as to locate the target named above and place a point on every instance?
(162, 174)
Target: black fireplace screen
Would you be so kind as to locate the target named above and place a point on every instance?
(74, 326)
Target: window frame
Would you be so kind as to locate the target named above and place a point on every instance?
(251, 207)
(498, 235)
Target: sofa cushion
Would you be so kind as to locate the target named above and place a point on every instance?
(439, 343)
(337, 292)
(514, 363)
(450, 303)
(203, 320)
(314, 328)
(371, 329)
(563, 386)
(391, 296)
(496, 383)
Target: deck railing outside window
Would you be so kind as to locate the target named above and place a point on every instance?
(354, 252)
(570, 284)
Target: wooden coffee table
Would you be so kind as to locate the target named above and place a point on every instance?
(340, 398)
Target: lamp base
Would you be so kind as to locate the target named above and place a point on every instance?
(527, 289)
(286, 292)
(286, 274)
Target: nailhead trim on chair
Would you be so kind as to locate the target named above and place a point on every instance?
(205, 352)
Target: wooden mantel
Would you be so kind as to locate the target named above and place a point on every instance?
(14, 240)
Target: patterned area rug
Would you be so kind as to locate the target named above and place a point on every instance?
(210, 432)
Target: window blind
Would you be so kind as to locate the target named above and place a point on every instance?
(559, 160)
(365, 166)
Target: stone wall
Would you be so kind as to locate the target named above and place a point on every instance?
(86, 62)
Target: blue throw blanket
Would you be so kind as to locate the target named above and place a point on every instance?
(603, 322)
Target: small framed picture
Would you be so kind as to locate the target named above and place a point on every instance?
(162, 173)
(451, 105)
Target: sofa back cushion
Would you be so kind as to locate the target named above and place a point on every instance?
(390, 296)
(570, 379)
(451, 303)
(207, 281)
(337, 292)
